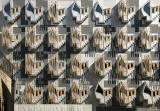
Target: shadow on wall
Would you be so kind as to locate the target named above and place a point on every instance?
(8, 100)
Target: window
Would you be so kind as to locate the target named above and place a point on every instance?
(82, 93)
(40, 10)
(36, 11)
(156, 9)
(16, 9)
(78, 91)
(105, 92)
(63, 37)
(157, 92)
(14, 38)
(105, 65)
(85, 65)
(131, 37)
(15, 65)
(16, 91)
(86, 92)
(156, 65)
(109, 64)
(152, 38)
(133, 92)
(130, 93)
(108, 11)
(129, 66)
(153, 93)
(62, 91)
(128, 38)
(155, 37)
(85, 10)
(59, 65)
(62, 11)
(153, 66)
(82, 11)
(39, 64)
(108, 37)
(36, 93)
(34, 66)
(62, 64)
(39, 37)
(82, 38)
(59, 12)
(40, 92)
(129, 10)
(60, 94)
(86, 37)
(109, 92)
(104, 12)
(153, 10)
(105, 38)
(13, 11)
(78, 64)
(82, 66)
(55, 91)
(132, 9)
